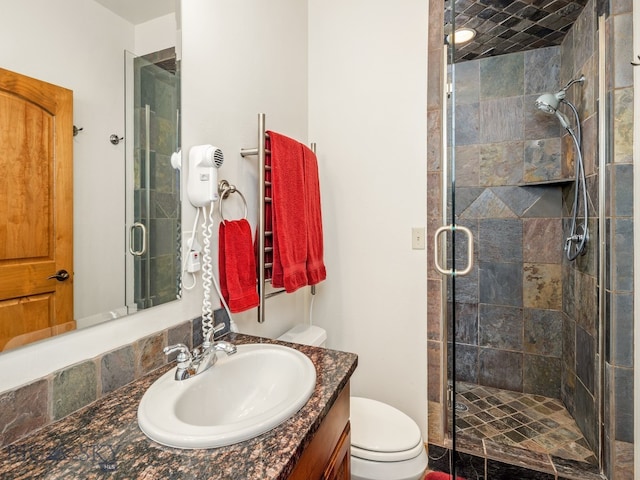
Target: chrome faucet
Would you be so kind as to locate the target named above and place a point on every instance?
(200, 359)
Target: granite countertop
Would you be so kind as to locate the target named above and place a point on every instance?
(103, 440)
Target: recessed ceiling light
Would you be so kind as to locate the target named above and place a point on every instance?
(461, 35)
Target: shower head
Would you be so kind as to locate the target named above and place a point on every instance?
(548, 102)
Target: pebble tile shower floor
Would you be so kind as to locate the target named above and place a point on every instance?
(533, 422)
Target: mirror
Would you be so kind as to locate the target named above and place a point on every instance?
(123, 179)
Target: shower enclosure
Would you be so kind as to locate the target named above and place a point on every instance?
(153, 182)
(520, 352)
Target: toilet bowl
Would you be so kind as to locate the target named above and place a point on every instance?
(386, 444)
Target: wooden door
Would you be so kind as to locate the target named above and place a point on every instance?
(36, 209)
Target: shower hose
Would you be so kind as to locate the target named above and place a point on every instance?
(576, 242)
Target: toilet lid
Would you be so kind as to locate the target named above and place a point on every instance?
(380, 432)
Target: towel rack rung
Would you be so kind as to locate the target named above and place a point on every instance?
(250, 152)
(273, 294)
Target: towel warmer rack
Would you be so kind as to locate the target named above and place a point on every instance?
(262, 233)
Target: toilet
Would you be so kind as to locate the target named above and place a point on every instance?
(386, 444)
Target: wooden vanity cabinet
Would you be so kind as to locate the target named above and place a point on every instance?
(328, 456)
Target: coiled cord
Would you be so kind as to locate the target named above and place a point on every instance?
(208, 278)
(207, 272)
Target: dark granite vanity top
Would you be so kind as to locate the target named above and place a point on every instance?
(103, 439)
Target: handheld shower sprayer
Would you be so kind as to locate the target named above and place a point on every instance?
(549, 102)
(575, 243)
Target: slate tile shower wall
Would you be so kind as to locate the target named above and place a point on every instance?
(509, 309)
(581, 326)
(436, 378)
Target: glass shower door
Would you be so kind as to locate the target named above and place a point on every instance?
(454, 252)
(153, 183)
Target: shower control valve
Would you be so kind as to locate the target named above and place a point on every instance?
(574, 238)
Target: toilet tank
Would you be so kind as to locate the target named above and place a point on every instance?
(306, 335)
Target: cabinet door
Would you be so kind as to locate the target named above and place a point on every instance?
(339, 467)
(328, 454)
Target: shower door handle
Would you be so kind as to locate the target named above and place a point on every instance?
(143, 231)
(436, 250)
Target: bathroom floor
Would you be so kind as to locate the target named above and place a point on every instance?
(532, 422)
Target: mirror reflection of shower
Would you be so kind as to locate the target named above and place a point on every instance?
(576, 242)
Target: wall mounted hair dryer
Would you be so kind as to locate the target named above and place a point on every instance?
(202, 186)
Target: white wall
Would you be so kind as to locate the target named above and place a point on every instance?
(155, 35)
(367, 91)
(241, 58)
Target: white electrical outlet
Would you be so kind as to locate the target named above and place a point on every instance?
(417, 238)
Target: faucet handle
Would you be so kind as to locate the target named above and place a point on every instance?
(182, 349)
(226, 347)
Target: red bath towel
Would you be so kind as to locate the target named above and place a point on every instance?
(237, 265)
(316, 271)
(297, 221)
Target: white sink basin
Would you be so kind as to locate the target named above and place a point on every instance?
(240, 397)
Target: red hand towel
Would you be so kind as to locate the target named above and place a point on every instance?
(289, 213)
(237, 265)
(316, 271)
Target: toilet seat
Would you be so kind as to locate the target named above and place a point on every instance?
(387, 457)
(382, 433)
